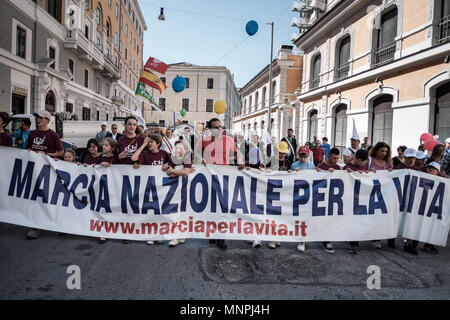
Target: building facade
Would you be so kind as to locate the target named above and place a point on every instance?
(286, 79)
(382, 63)
(77, 56)
(205, 85)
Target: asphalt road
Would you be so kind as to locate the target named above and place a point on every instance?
(37, 269)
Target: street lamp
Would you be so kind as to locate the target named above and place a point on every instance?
(161, 15)
(269, 109)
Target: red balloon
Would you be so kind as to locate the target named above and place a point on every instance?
(426, 136)
(429, 145)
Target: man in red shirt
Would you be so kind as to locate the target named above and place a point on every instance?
(318, 153)
(218, 149)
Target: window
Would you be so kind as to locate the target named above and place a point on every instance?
(263, 100)
(107, 53)
(86, 4)
(98, 16)
(71, 68)
(126, 54)
(131, 37)
(117, 10)
(126, 29)
(187, 83)
(121, 21)
(442, 111)
(86, 32)
(163, 79)
(21, 40)
(162, 104)
(250, 104)
(185, 104)
(385, 48)
(120, 46)
(116, 39)
(52, 55)
(382, 119)
(86, 78)
(444, 22)
(209, 105)
(315, 72)
(97, 85)
(86, 114)
(109, 3)
(162, 123)
(272, 98)
(69, 107)
(54, 9)
(210, 83)
(107, 117)
(343, 56)
(340, 127)
(256, 100)
(108, 29)
(138, 49)
(313, 124)
(98, 115)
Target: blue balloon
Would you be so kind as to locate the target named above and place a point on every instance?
(178, 84)
(251, 27)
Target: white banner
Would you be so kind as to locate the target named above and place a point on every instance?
(221, 202)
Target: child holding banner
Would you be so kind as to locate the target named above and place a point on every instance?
(304, 164)
(357, 164)
(182, 166)
(93, 153)
(109, 154)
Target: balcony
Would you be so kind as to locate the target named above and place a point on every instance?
(342, 71)
(314, 83)
(444, 29)
(301, 22)
(385, 53)
(86, 49)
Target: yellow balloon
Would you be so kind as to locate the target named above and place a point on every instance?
(220, 106)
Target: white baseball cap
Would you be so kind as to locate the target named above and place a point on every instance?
(410, 153)
(434, 165)
(43, 114)
(104, 124)
(420, 155)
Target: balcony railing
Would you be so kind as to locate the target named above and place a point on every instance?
(314, 83)
(342, 71)
(385, 53)
(444, 29)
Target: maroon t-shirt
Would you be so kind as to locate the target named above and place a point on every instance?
(155, 159)
(5, 139)
(131, 145)
(111, 160)
(402, 166)
(324, 166)
(46, 141)
(185, 162)
(91, 160)
(353, 167)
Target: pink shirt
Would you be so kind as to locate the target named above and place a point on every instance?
(372, 165)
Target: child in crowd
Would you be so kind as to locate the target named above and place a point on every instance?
(303, 164)
(149, 154)
(329, 165)
(359, 164)
(93, 153)
(69, 155)
(182, 166)
(109, 153)
(421, 157)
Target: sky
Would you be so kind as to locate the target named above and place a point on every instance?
(212, 32)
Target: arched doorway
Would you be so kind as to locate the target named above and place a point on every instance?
(340, 127)
(442, 111)
(313, 124)
(382, 119)
(50, 102)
